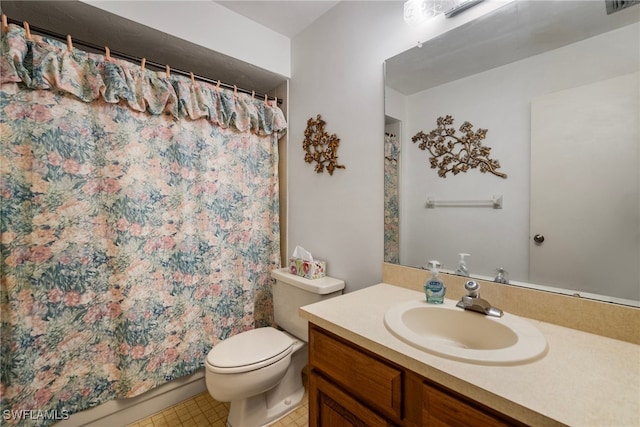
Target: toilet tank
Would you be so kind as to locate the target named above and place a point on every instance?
(291, 292)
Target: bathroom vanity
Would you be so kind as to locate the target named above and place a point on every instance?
(361, 374)
(352, 386)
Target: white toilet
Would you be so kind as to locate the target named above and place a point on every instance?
(260, 371)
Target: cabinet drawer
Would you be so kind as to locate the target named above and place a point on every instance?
(363, 376)
(441, 409)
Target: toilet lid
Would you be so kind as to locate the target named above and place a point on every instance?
(251, 349)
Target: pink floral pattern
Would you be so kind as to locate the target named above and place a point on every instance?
(391, 195)
(139, 225)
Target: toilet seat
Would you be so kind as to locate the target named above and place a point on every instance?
(249, 351)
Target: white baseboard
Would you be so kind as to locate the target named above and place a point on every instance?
(121, 412)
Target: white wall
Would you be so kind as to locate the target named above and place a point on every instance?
(211, 25)
(337, 72)
(395, 104)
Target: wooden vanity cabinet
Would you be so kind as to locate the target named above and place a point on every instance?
(351, 386)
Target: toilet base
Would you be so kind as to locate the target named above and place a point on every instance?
(253, 412)
(266, 408)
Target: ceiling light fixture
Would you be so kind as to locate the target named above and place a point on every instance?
(417, 12)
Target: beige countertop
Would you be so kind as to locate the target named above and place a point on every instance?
(583, 380)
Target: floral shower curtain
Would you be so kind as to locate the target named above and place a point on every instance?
(391, 206)
(139, 224)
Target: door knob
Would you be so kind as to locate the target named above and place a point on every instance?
(538, 238)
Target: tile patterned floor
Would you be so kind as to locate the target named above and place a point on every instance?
(202, 411)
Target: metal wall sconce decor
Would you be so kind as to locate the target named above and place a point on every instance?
(457, 153)
(321, 147)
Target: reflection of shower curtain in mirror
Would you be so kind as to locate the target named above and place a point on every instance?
(391, 211)
(139, 224)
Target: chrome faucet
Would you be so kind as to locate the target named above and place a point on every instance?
(473, 302)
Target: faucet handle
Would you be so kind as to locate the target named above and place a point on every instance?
(502, 276)
(473, 289)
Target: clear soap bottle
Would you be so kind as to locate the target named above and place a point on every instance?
(434, 288)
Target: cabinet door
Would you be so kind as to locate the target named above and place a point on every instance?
(369, 379)
(331, 407)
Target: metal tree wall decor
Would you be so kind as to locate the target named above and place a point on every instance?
(321, 147)
(457, 153)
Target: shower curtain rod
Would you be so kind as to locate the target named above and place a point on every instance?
(135, 59)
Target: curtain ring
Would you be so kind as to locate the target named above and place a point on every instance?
(193, 78)
(27, 30)
(107, 53)
(69, 43)
(5, 25)
(168, 71)
(218, 86)
(142, 63)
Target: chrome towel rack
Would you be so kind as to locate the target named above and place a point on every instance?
(495, 203)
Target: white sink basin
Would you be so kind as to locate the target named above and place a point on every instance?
(448, 331)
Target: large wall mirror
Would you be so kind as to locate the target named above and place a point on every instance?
(556, 85)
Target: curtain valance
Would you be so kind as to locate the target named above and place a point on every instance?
(46, 64)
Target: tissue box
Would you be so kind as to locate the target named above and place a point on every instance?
(307, 269)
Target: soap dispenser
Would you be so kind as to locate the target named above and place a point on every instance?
(462, 269)
(434, 288)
